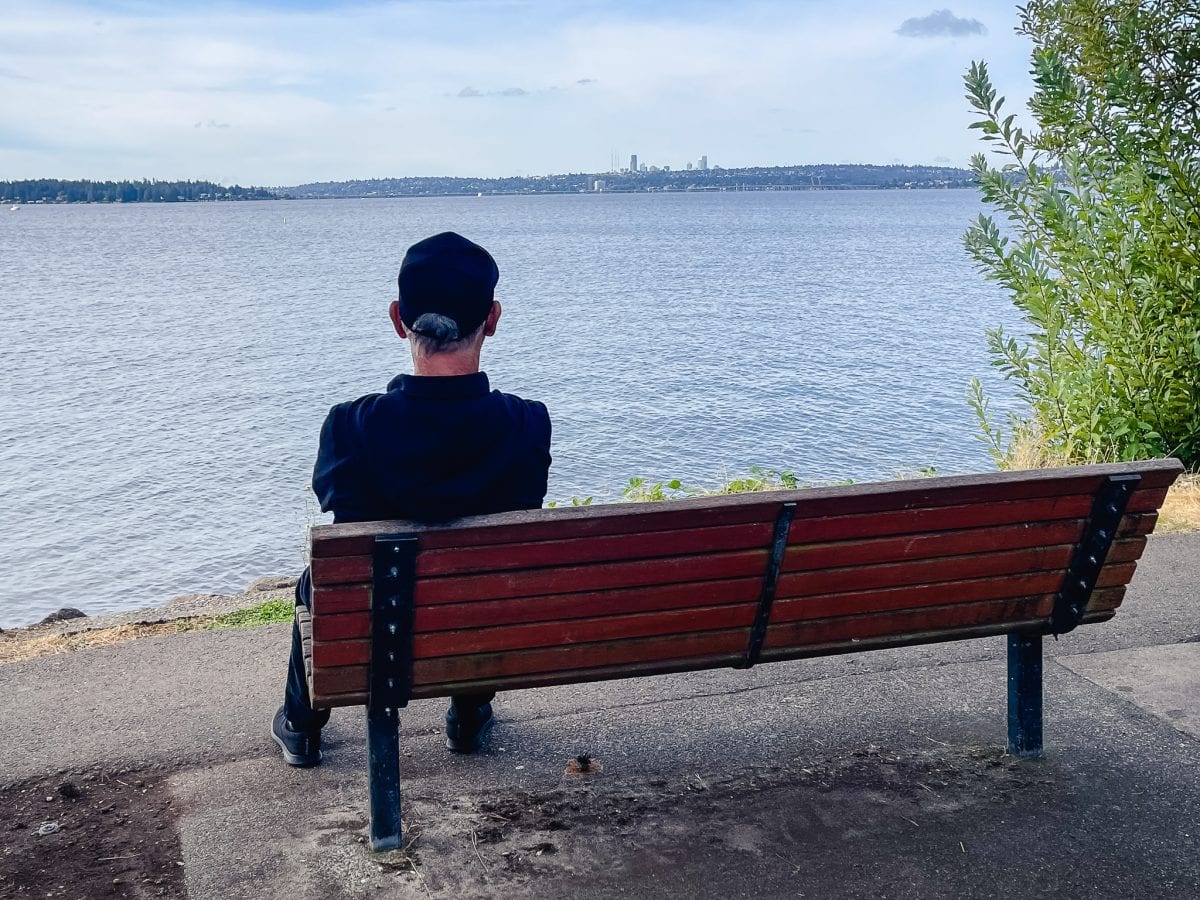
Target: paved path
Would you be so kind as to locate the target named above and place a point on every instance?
(876, 775)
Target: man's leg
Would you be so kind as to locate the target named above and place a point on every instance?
(297, 726)
(468, 721)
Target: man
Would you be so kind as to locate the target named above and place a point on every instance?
(438, 445)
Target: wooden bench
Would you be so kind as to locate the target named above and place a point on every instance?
(554, 596)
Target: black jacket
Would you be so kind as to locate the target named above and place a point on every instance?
(431, 449)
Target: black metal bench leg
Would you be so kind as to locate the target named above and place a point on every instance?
(383, 751)
(1025, 694)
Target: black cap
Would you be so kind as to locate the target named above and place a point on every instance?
(448, 275)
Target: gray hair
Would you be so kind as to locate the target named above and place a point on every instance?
(434, 333)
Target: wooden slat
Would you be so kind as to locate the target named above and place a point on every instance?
(340, 570)
(588, 603)
(580, 631)
(349, 679)
(330, 654)
(936, 544)
(938, 518)
(357, 597)
(802, 594)
(574, 551)
(924, 571)
(329, 700)
(549, 524)
(342, 627)
(979, 590)
(579, 656)
(603, 673)
(341, 598)
(606, 576)
(892, 624)
(1106, 599)
(351, 570)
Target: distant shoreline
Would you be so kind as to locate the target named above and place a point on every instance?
(48, 191)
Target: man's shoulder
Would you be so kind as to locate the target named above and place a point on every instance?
(531, 409)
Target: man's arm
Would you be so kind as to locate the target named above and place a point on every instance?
(337, 475)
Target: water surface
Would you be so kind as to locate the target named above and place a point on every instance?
(166, 368)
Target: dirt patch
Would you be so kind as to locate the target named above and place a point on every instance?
(90, 834)
(630, 831)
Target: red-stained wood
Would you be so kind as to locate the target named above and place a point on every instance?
(579, 656)
(337, 681)
(801, 595)
(1114, 574)
(549, 524)
(894, 624)
(330, 654)
(341, 599)
(606, 576)
(602, 673)
(1106, 599)
(938, 518)
(356, 597)
(329, 700)
(342, 627)
(606, 548)
(340, 570)
(932, 545)
(924, 571)
(552, 607)
(581, 631)
(969, 591)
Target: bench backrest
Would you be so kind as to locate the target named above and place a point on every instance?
(566, 595)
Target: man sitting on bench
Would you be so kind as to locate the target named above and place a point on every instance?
(438, 445)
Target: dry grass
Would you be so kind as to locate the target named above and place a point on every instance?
(1181, 509)
(22, 644)
(18, 646)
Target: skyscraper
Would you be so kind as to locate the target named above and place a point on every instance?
(633, 163)
(703, 163)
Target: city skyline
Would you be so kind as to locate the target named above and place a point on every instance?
(263, 92)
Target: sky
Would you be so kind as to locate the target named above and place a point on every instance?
(276, 93)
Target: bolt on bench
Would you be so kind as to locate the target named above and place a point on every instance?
(404, 611)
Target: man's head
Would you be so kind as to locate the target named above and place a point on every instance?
(446, 302)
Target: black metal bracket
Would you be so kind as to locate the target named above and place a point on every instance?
(393, 574)
(758, 633)
(1098, 535)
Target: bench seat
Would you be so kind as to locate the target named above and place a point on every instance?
(555, 596)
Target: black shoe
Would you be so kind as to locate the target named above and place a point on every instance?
(465, 733)
(300, 748)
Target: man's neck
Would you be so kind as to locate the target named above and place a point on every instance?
(445, 364)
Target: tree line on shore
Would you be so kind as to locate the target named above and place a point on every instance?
(54, 190)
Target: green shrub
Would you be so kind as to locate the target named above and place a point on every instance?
(1102, 203)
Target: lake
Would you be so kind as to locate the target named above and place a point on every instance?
(166, 368)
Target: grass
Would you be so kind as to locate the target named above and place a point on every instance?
(1181, 510)
(268, 613)
(17, 646)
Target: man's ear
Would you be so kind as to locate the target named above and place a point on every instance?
(489, 324)
(397, 322)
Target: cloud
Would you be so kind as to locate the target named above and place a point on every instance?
(940, 23)
(586, 81)
(469, 91)
(211, 123)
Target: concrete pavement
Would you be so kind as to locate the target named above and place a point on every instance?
(875, 775)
